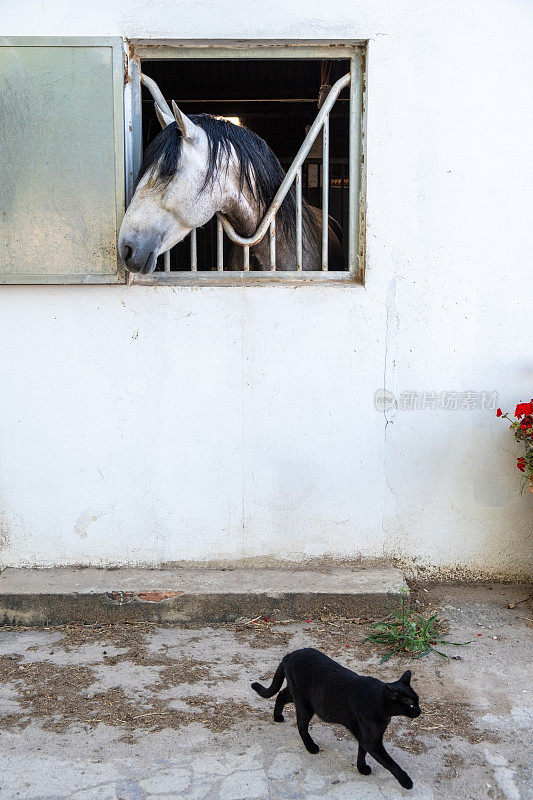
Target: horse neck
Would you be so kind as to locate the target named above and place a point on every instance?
(242, 211)
(238, 205)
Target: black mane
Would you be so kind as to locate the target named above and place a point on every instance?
(259, 169)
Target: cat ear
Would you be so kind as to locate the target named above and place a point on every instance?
(406, 677)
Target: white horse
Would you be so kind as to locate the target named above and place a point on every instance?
(200, 165)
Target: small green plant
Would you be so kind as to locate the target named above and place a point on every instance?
(410, 631)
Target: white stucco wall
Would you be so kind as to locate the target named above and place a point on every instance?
(141, 425)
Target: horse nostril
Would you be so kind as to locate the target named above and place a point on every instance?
(127, 253)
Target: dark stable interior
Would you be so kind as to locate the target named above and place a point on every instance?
(278, 100)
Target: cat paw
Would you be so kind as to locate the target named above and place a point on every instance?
(312, 748)
(405, 781)
(364, 769)
(279, 718)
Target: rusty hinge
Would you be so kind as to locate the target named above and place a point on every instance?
(126, 68)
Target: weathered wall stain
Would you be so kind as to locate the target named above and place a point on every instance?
(86, 519)
(4, 536)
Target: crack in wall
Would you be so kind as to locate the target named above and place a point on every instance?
(389, 384)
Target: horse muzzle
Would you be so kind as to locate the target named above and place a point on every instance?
(139, 253)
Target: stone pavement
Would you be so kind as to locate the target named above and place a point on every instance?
(153, 712)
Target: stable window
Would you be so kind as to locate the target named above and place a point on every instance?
(273, 90)
(76, 120)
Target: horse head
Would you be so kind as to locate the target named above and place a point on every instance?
(168, 201)
(201, 165)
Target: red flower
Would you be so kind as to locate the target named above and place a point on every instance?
(521, 464)
(499, 412)
(523, 408)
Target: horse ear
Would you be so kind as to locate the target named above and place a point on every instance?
(164, 119)
(406, 677)
(186, 125)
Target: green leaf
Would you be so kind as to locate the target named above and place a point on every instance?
(454, 644)
(389, 655)
(424, 653)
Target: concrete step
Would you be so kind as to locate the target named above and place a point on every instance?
(59, 596)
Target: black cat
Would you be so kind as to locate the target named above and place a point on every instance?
(318, 685)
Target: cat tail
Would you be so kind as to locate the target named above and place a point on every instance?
(274, 687)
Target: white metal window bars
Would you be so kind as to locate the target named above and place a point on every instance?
(294, 175)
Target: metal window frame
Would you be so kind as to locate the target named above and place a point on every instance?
(138, 50)
(117, 49)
